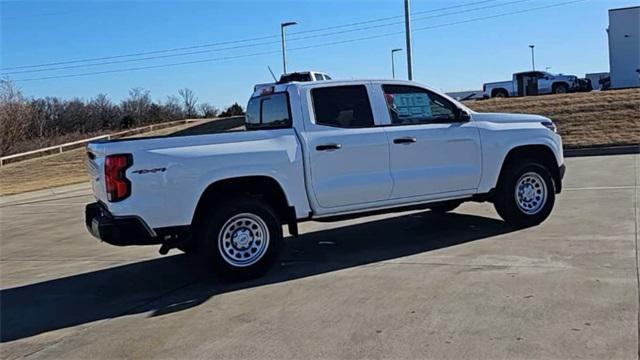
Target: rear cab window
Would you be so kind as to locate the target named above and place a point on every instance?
(270, 111)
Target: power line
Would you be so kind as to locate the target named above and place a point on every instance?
(500, 15)
(230, 42)
(309, 46)
(390, 17)
(264, 43)
(151, 66)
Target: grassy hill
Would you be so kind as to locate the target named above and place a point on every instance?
(584, 119)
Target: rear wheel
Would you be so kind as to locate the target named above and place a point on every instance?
(525, 195)
(240, 238)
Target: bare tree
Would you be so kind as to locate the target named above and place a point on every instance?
(172, 108)
(136, 108)
(189, 102)
(103, 113)
(41, 118)
(208, 111)
(31, 123)
(15, 116)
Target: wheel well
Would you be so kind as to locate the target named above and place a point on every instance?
(499, 90)
(262, 187)
(541, 154)
(559, 83)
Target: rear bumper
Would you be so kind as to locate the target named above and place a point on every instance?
(120, 231)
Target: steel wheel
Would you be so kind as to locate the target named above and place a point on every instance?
(243, 240)
(531, 193)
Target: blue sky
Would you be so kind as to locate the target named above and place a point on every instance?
(569, 39)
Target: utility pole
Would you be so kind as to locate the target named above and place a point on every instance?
(407, 30)
(393, 63)
(284, 46)
(533, 59)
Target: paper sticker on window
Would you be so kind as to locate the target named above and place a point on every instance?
(412, 105)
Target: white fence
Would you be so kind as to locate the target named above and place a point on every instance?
(76, 144)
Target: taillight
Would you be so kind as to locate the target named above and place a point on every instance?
(118, 186)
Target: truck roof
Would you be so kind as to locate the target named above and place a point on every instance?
(361, 81)
(306, 84)
(314, 84)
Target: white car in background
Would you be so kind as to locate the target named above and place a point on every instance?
(531, 83)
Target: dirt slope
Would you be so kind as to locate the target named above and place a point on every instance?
(583, 119)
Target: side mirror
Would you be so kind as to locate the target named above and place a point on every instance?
(463, 115)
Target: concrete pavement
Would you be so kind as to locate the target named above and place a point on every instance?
(411, 285)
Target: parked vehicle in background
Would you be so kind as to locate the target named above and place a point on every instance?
(324, 151)
(300, 76)
(304, 76)
(535, 83)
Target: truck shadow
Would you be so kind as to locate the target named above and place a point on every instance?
(174, 283)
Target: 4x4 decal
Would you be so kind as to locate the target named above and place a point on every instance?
(149, 171)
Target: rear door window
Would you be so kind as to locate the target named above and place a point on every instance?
(342, 106)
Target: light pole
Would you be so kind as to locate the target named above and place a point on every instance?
(284, 47)
(393, 63)
(407, 30)
(533, 59)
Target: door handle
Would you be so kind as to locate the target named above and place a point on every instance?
(328, 147)
(404, 140)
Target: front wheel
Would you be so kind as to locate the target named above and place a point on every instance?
(525, 195)
(241, 238)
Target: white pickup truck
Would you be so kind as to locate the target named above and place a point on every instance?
(530, 83)
(319, 151)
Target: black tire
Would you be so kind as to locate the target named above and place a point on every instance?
(560, 89)
(527, 207)
(446, 207)
(253, 224)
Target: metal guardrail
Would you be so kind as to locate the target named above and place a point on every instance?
(57, 149)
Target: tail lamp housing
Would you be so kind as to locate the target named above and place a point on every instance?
(116, 182)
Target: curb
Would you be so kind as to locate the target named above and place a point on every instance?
(55, 193)
(602, 151)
